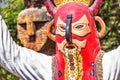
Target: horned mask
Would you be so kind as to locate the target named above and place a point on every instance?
(76, 37)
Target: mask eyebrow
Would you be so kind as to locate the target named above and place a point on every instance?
(59, 21)
(82, 20)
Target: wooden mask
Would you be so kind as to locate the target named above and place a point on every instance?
(32, 29)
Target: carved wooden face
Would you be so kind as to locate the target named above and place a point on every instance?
(32, 29)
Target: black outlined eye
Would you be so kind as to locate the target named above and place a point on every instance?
(62, 27)
(80, 27)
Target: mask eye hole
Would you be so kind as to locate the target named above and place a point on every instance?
(39, 24)
(23, 25)
(62, 27)
(80, 27)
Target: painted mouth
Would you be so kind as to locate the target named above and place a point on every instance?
(70, 46)
(76, 44)
(32, 38)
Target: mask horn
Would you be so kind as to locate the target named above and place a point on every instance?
(50, 7)
(95, 7)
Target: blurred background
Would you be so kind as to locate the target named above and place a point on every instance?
(109, 12)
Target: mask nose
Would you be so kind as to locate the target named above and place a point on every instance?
(68, 29)
(30, 28)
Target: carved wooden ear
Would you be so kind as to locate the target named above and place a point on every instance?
(49, 30)
(102, 25)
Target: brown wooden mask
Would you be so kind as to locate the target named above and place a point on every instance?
(32, 29)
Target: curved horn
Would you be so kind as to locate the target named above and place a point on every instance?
(50, 7)
(95, 7)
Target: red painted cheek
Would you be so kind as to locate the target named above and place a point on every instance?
(78, 37)
(59, 39)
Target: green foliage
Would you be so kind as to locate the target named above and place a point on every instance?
(110, 13)
(4, 75)
(9, 13)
